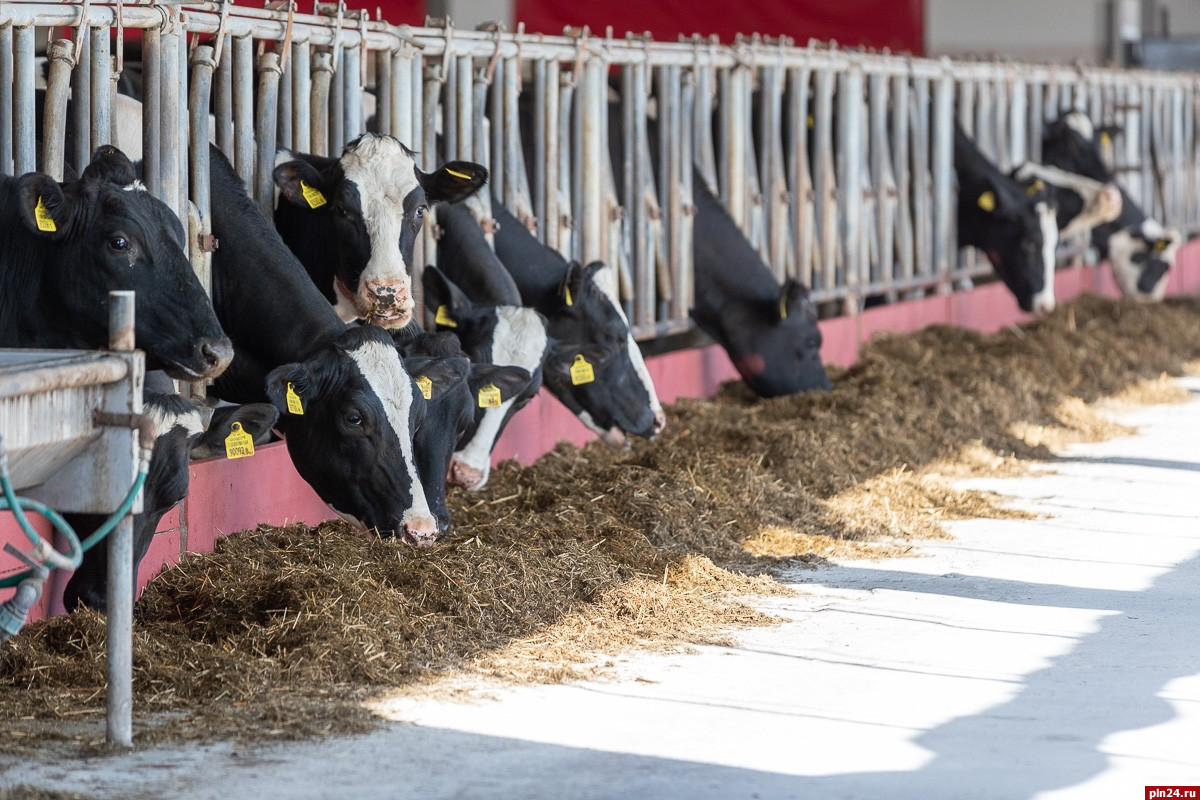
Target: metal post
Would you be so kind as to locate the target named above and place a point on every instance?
(24, 110)
(81, 95)
(591, 201)
(464, 87)
(268, 102)
(202, 73)
(152, 110)
(942, 133)
(301, 97)
(169, 165)
(223, 92)
(119, 671)
(243, 107)
(322, 75)
(61, 54)
(384, 97)
(101, 72)
(849, 171)
(337, 105)
(511, 153)
(6, 98)
(496, 109)
(283, 115)
(403, 119)
(352, 109)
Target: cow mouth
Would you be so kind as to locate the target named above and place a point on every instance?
(615, 438)
(391, 319)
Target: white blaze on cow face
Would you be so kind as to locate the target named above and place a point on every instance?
(1043, 301)
(1130, 254)
(165, 419)
(519, 340)
(1079, 122)
(381, 368)
(385, 174)
(606, 279)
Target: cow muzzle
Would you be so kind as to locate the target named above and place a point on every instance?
(420, 531)
(388, 304)
(464, 475)
(210, 357)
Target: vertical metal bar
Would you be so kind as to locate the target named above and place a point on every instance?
(464, 86)
(352, 90)
(449, 101)
(180, 134)
(880, 178)
(6, 98)
(337, 105)
(551, 215)
(431, 89)
(921, 178)
(200, 89)
(119, 613)
(24, 80)
(568, 240)
(223, 92)
(511, 155)
(322, 75)
(402, 98)
(849, 172)
(283, 118)
(301, 97)
(269, 74)
(170, 184)
(682, 268)
(735, 86)
(670, 132)
(635, 178)
(243, 107)
(1036, 120)
(61, 54)
(824, 182)
(101, 74)
(499, 122)
(383, 92)
(900, 139)
(799, 172)
(417, 91)
(942, 131)
(1018, 125)
(592, 88)
(482, 152)
(81, 97)
(706, 155)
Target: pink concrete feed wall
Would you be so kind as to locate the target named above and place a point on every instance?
(227, 496)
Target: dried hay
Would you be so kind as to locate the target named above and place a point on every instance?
(283, 631)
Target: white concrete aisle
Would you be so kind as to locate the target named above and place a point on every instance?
(1049, 658)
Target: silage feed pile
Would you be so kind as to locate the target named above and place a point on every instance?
(555, 567)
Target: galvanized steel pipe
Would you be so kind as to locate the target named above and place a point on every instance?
(268, 98)
(61, 54)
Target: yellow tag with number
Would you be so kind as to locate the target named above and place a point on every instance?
(581, 371)
(238, 444)
(987, 201)
(293, 402)
(312, 196)
(426, 387)
(489, 396)
(45, 222)
(442, 317)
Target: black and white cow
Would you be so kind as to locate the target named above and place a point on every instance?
(451, 410)
(181, 432)
(1082, 203)
(349, 408)
(581, 308)
(471, 294)
(63, 247)
(1017, 232)
(1140, 249)
(770, 332)
(353, 221)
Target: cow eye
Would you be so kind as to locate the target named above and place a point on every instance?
(354, 418)
(420, 212)
(118, 243)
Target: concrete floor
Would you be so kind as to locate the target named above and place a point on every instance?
(1049, 658)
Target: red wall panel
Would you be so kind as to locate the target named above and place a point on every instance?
(896, 24)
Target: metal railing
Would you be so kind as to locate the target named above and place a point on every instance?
(836, 164)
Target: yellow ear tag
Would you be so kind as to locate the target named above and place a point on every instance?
(45, 222)
(1105, 139)
(312, 196)
(1161, 245)
(426, 387)
(293, 402)
(783, 306)
(489, 396)
(811, 121)
(581, 371)
(462, 176)
(987, 201)
(567, 296)
(1035, 187)
(238, 444)
(442, 317)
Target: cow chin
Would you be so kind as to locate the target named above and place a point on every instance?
(389, 319)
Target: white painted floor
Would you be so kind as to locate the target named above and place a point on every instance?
(1051, 658)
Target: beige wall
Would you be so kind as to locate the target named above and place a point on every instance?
(1037, 30)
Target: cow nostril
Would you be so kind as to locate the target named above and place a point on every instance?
(217, 353)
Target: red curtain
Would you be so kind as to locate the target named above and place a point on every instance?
(895, 24)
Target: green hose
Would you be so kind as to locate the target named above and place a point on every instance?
(76, 548)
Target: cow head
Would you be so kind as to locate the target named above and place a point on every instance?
(371, 202)
(500, 335)
(349, 414)
(775, 345)
(620, 399)
(105, 233)
(1141, 258)
(180, 433)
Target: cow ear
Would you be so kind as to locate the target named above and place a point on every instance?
(44, 208)
(575, 282)
(436, 376)
(301, 184)
(111, 165)
(453, 181)
(793, 299)
(564, 355)
(444, 299)
(511, 381)
(256, 419)
(291, 389)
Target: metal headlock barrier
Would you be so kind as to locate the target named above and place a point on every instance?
(836, 164)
